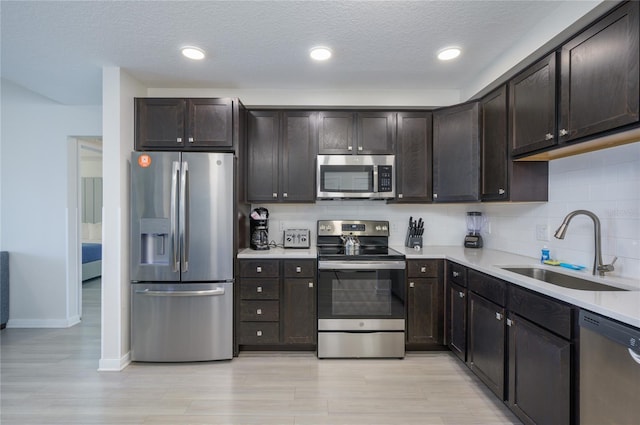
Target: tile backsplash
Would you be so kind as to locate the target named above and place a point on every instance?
(605, 182)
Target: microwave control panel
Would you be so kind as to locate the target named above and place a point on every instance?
(385, 179)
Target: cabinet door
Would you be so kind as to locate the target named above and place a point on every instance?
(532, 107)
(413, 157)
(262, 156)
(486, 350)
(424, 311)
(599, 87)
(299, 310)
(456, 153)
(159, 123)
(539, 374)
(457, 320)
(495, 156)
(336, 132)
(209, 123)
(376, 132)
(297, 168)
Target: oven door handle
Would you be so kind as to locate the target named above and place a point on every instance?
(361, 265)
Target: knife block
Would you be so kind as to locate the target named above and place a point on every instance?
(412, 241)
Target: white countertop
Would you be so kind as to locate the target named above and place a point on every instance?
(620, 305)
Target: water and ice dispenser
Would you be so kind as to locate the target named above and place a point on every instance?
(155, 242)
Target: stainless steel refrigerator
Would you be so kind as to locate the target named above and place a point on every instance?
(181, 256)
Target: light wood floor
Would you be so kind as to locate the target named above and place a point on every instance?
(48, 376)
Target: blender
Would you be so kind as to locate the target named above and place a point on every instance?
(475, 221)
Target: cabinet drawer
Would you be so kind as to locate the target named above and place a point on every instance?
(260, 311)
(489, 287)
(259, 268)
(543, 311)
(457, 274)
(423, 268)
(299, 268)
(259, 333)
(259, 289)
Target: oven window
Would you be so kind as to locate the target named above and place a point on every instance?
(361, 294)
(346, 178)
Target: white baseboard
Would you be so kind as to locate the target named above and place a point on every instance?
(114, 365)
(43, 323)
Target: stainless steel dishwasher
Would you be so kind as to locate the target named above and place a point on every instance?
(609, 371)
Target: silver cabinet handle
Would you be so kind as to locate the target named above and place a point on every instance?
(498, 316)
(258, 333)
(259, 311)
(509, 322)
(298, 269)
(461, 294)
(191, 140)
(548, 136)
(423, 269)
(360, 148)
(435, 196)
(285, 195)
(412, 284)
(563, 132)
(500, 191)
(179, 140)
(350, 148)
(259, 289)
(275, 195)
(310, 284)
(258, 269)
(400, 196)
(455, 274)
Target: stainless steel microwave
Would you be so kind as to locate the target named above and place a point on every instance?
(356, 176)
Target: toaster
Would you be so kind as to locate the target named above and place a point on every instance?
(296, 238)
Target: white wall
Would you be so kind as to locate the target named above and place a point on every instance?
(119, 89)
(37, 212)
(606, 182)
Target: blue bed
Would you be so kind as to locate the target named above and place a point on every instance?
(91, 260)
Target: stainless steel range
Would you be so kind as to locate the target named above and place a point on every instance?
(361, 290)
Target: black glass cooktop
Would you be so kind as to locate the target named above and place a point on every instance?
(364, 253)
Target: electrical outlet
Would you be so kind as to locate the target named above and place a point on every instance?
(282, 226)
(542, 232)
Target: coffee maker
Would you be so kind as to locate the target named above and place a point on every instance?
(259, 229)
(475, 222)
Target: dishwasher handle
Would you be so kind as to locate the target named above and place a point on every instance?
(635, 356)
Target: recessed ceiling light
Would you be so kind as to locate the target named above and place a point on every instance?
(192, 52)
(320, 53)
(449, 53)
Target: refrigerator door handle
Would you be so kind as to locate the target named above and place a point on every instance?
(205, 293)
(174, 216)
(184, 215)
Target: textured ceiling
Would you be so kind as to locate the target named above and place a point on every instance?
(58, 48)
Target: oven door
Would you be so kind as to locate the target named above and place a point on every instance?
(351, 291)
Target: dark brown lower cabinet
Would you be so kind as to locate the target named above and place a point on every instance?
(299, 309)
(424, 318)
(457, 317)
(539, 374)
(486, 349)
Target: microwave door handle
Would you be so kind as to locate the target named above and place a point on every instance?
(375, 179)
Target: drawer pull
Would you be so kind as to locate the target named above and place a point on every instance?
(310, 284)
(259, 311)
(259, 289)
(423, 269)
(298, 269)
(412, 284)
(509, 322)
(258, 269)
(498, 316)
(258, 333)
(455, 274)
(461, 294)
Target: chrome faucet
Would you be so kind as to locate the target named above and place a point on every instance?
(597, 259)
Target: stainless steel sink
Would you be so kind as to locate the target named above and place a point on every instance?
(561, 279)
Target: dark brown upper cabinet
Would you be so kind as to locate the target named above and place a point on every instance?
(532, 107)
(180, 124)
(281, 150)
(599, 86)
(414, 149)
(353, 133)
(504, 179)
(456, 153)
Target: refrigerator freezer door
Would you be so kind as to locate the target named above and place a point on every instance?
(181, 322)
(154, 216)
(207, 232)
